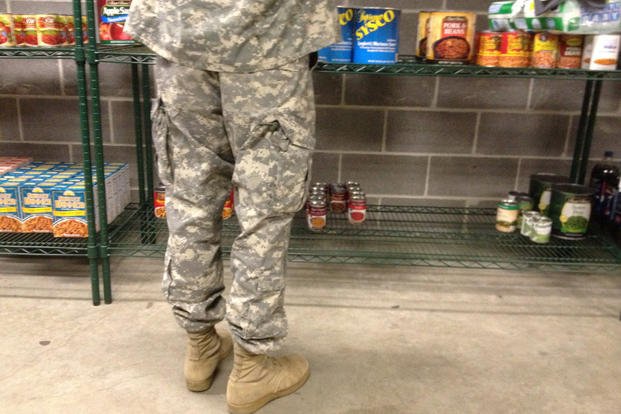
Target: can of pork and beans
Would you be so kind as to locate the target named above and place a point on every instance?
(342, 51)
(451, 37)
(422, 35)
(376, 35)
(570, 210)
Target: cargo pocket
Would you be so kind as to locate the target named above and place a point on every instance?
(160, 122)
(274, 168)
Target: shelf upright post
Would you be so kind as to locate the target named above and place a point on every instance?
(138, 134)
(80, 60)
(146, 96)
(93, 64)
(588, 115)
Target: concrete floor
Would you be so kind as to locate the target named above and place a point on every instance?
(381, 340)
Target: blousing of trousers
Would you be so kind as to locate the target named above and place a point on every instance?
(212, 131)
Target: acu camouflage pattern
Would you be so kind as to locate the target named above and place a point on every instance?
(254, 131)
(234, 35)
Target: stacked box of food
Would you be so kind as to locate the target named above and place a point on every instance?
(36, 195)
(8, 164)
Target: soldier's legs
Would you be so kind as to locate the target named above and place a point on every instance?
(270, 118)
(195, 162)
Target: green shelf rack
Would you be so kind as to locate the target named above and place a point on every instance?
(41, 244)
(392, 235)
(44, 244)
(397, 235)
(38, 52)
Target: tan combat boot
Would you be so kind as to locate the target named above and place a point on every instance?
(258, 379)
(203, 353)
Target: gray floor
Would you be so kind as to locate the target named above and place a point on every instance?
(380, 340)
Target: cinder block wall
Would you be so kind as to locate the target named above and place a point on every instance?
(407, 140)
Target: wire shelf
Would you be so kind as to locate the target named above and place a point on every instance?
(406, 66)
(397, 235)
(41, 244)
(67, 52)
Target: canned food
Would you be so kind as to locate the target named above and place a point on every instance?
(159, 201)
(30, 30)
(357, 208)
(488, 48)
(570, 210)
(342, 51)
(506, 216)
(338, 198)
(541, 230)
(422, 35)
(540, 189)
(228, 208)
(19, 30)
(376, 35)
(451, 37)
(6, 30)
(514, 49)
(316, 215)
(544, 50)
(570, 51)
(528, 220)
(48, 32)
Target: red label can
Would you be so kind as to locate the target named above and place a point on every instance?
(159, 202)
(514, 49)
(488, 48)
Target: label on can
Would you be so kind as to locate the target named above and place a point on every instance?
(159, 202)
(228, 209)
(342, 51)
(570, 210)
(541, 230)
(6, 30)
(488, 49)
(506, 216)
(514, 49)
(545, 50)
(570, 51)
(376, 35)
(451, 37)
(423, 33)
(30, 31)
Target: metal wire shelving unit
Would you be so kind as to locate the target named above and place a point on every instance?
(397, 235)
(392, 235)
(37, 244)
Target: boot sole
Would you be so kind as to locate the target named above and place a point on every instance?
(200, 386)
(252, 407)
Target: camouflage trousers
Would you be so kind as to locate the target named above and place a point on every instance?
(251, 131)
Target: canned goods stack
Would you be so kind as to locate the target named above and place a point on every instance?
(336, 198)
(47, 30)
(516, 212)
(369, 35)
(553, 206)
(317, 207)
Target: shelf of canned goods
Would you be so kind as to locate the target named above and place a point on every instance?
(396, 235)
